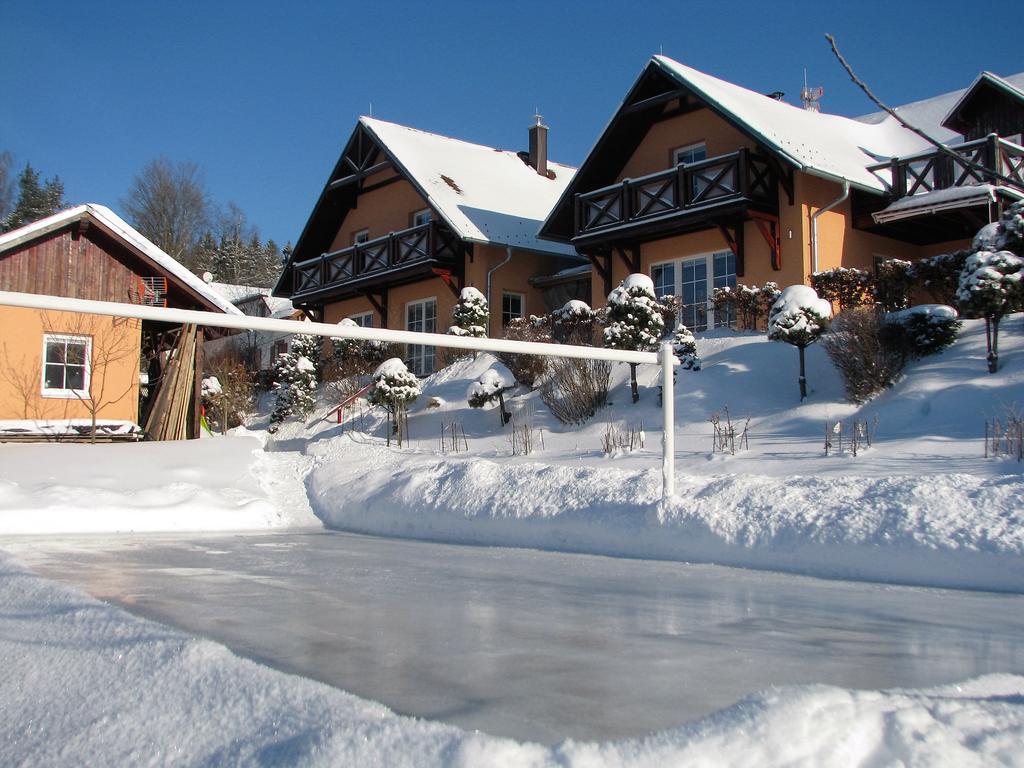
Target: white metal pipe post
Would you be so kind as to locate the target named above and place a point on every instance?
(246, 322)
(668, 421)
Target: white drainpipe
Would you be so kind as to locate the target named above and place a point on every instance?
(814, 224)
(492, 270)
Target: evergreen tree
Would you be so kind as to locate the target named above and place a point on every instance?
(294, 379)
(35, 200)
(634, 320)
(6, 183)
(470, 315)
(799, 317)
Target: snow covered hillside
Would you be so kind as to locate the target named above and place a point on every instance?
(921, 505)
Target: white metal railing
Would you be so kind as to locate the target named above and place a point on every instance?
(663, 357)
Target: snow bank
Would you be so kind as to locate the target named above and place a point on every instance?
(87, 684)
(196, 485)
(954, 530)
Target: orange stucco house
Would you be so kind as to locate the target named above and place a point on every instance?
(60, 367)
(700, 183)
(409, 218)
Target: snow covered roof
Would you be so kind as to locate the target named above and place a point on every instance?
(239, 294)
(128, 234)
(943, 200)
(485, 195)
(826, 145)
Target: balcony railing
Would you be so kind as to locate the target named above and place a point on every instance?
(692, 187)
(431, 242)
(932, 170)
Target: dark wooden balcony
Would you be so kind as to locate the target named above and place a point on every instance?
(396, 256)
(692, 192)
(934, 170)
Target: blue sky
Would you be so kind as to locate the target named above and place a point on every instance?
(262, 95)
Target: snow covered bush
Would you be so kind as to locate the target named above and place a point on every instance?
(845, 286)
(526, 369)
(684, 347)
(310, 347)
(923, 330)
(228, 391)
(893, 283)
(634, 320)
(575, 389)
(573, 323)
(490, 387)
(294, 378)
(395, 387)
(749, 304)
(939, 275)
(470, 315)
(799, 317)
(991, 286)
(354, 357)
(863, 353)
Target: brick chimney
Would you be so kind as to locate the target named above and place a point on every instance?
(539, 147)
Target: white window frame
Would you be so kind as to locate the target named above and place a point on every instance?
(689, 148)
(363, 319)
(522, 306)
(361, 236)
(64, 392)
(421, 217)
(422, 352)
(677, 288)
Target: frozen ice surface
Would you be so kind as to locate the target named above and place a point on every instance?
(536, 645)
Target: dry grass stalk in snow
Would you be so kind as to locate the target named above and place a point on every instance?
(628, 437)
(726, 436)
(1005, 437)
(858, 435)
(453, 438)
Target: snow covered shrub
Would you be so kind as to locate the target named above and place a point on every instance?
(573, 323)
(526, 368)
(310, 347)
(799, 317)
(395, 388)
(991, 285)
(489, 387)
(684, 347)
(470, 315)
(893, 283)
(228, 391)
(866, 357)
(939, 275)
(294, 378)
(747, 303)
(353, 357)
(576, 389)
(634, 320)
(924, 330)
(844, 286)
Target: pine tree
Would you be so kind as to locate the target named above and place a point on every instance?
(634, 320)
(35, 201)
(470, 315)
(991, 286)
(395, 387)
(294, 379)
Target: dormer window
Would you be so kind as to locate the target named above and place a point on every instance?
(421, 217)
(691, 153)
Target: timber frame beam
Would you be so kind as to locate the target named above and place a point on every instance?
(380, 303)
(732, 233)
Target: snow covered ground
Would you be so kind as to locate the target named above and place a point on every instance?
(86, 683)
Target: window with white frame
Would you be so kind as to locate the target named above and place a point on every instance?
(691, 153)
(421, 217)
(362, 236)
(364, 319)
(421, 316)
(66, 365)
(691, 281)
(512, 306)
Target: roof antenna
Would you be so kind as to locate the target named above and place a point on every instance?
(811, 96)
(661, 49)
(371, 109)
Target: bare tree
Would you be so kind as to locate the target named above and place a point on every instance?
(6, 183)
(168, 203)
